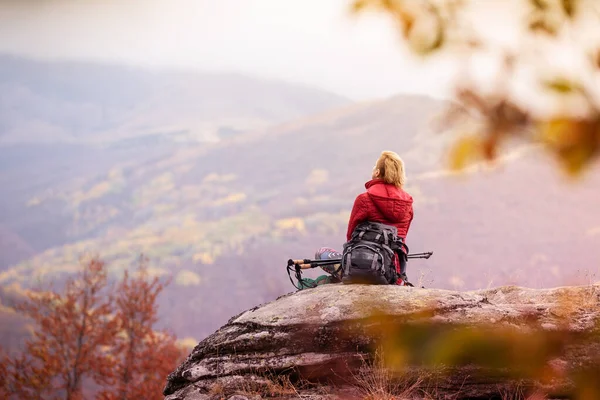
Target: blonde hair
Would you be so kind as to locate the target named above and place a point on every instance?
(391, 168)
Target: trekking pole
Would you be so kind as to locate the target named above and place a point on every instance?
(296, 266)
(306, 263)
(425, 255)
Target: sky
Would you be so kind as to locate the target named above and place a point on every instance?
(315, 42)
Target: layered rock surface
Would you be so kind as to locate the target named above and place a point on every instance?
(323, 336)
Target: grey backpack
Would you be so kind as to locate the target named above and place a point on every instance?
(368, 257)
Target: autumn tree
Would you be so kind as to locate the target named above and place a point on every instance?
(3, 374)
(144, 357)
(88, 332)
(532, 93)
(69, 341)
(23, 379)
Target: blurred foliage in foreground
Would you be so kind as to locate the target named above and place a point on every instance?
(533, 93)
(518, 358)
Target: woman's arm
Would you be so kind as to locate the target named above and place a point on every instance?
(412, 214)
(358, 214)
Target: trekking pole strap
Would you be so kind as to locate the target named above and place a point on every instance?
(295, 268)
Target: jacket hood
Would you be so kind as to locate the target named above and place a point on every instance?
(392, 202)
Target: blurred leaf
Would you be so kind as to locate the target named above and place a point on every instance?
(471, 100)
(575, 159)
(387, 5)
(516, 353)
(391, 4)
(489, 147)
(424, 40)
(541, 26)
(540, 4)
(568, 7)
(464, 151)
(562, 85)
(574, 141)
(422, 48)
(553, 131)
(595, 58)
(359, 5)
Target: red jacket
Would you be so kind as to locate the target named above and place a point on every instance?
(382, 203)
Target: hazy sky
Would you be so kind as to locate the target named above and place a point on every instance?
(310, 41)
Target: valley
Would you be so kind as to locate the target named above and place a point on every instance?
(222, 216)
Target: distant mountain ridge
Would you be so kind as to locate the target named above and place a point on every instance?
(63, 123)
(78, 102)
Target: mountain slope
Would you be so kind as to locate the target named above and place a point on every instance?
(102, 104)
(223, 218)
(63, 124)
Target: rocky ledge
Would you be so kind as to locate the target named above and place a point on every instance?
(343, 341)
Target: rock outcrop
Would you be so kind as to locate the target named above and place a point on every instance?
(458, 344)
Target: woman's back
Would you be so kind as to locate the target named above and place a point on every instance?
(385, 203)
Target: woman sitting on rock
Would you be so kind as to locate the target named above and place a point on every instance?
(384, 201)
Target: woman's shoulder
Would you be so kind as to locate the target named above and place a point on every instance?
(362, 196)
(404, 194)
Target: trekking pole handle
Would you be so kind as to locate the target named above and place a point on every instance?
(304, 264)
(303, 261)
(316, 263)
